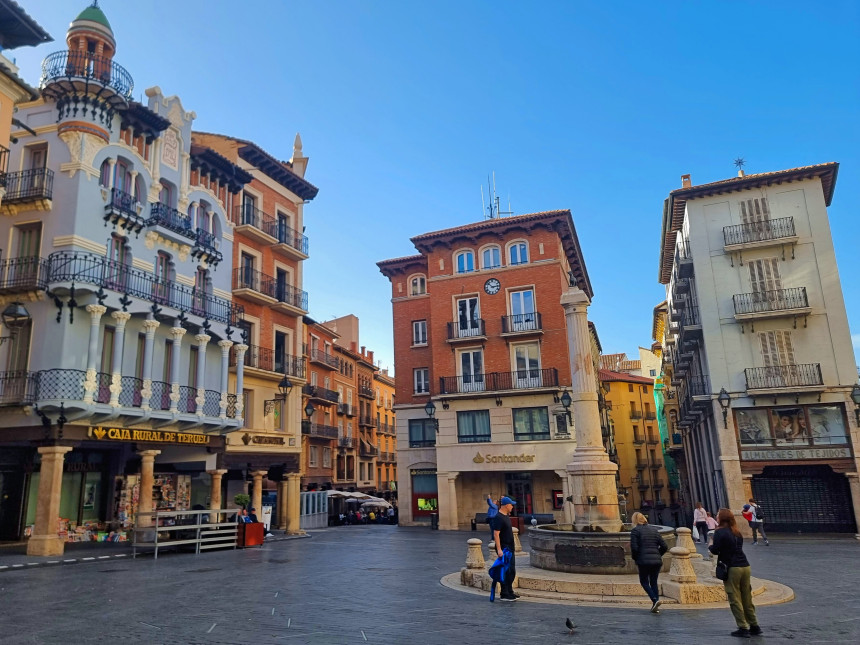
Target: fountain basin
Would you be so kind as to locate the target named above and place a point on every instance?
(564, 547)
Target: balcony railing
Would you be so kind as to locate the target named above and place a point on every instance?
(27, 185)
(263, 358)
(699, 386)
(690, 316)
(658, 484)
(324, 358)
(321, 393)
(19, 275)
(496, 381)
(247, 278)
(292, 238)
(319, 430)
(88, 268)
(770, 301)
(17, 388)
(365, 450)
(205, 245)
(422, 443)
(366, 420)
(366, 391)
(160, 399)
(521, 323)
(122, 209)
(468, 329)
(4, 164)
(171, 219)
(652, 440)
(636, 415)
(770, 229)
(83, 65)
(641, 464)
(783, 376)
(638, 439)
(248, 215)
(345, 442)
(650, 416)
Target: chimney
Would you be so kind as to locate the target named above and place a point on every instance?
(370, 356)
(740, 172)
(363, 350)
(353, 346)
(685, 181)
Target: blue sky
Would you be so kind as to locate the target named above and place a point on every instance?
(405, 108)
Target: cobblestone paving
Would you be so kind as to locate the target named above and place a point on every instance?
(380, 584)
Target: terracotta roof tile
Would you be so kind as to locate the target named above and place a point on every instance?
(609, 375)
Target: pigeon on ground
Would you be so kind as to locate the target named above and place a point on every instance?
(569, 624)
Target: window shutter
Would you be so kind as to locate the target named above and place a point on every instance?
(764, 275)
(776, 348)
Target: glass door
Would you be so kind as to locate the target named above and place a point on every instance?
(527, 366)
(468, 318)
(523, 310)
(472, 371)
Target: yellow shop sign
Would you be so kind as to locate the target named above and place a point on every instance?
(152, 436)
(503, 459)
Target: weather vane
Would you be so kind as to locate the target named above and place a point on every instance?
(739, 162)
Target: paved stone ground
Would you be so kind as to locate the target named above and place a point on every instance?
(380, 584)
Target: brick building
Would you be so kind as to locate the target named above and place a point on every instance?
(320, 402)
(481, 357)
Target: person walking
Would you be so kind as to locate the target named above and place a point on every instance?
(700, 521)
(728, 546)
(712, 523)
(753, 514)
(503, 536)
(647, 549)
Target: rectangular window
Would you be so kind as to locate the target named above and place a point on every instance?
(246, 398)
(422, 433)
(419, 332)
(629, 387)
(764, 275)
(283, 227)
(776, 348)
(531, 424)
(326, 457)
(472, 370)
(421, 380)
(473, 426)
(361, 471)
(755, 210)
(280, 352)
(313, 455)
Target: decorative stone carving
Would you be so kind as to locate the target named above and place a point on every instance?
(83, 147)
(150, 239)
(174, 394)
(150, 324)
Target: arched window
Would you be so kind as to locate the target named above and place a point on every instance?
(122, 176)
(204, 217)
(139, 190)
(104, 174)
(119, 259)
(465, 261)
(491, 258)
(418, 285)
(167, 195)
(518, 253)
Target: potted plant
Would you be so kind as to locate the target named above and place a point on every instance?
(242, 500)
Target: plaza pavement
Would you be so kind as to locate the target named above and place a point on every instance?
(380, 584)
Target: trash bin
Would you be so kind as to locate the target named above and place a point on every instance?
(434, 521)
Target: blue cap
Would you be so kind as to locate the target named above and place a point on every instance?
(507, 500)
(747, 507)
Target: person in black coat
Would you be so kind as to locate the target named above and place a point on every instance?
(647, 549)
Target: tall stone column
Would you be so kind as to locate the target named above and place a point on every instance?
(257, 490)
(93, 354)
(202, 341)
(293, 501)
(854, 486)
(567, 509)
(149, 326)
(591, 474)
(225, 346)
(283, 492)
(147, 478)
(45, 540)
(177, 333)
(453, 522)
(241, 348)
(215, 493)
(121, 318)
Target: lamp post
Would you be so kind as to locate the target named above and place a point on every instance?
(855, 396)
(309, 410)
(430, 411)
(725, 401)
(284, 389)
(15, 316)
(566, 401)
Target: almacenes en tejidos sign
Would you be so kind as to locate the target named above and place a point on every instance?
(153, 436)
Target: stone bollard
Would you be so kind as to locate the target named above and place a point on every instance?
(685, 540)
(491, 551)
(518, 547)
(682, 569)
(474, 557)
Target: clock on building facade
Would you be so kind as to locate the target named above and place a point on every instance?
(492, 286)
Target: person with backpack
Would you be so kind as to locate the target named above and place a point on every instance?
(647, 549)
(728, 546)
(752, 513)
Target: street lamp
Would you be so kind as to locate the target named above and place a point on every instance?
(15, 316)
(430, 411)
(855, 396)
(566, 401)
(725, 401)
(309, 410)
(284, 389)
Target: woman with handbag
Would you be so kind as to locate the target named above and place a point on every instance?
(647, 549)
(733, 569)
(700, 521)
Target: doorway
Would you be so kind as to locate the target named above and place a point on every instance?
(519, 487)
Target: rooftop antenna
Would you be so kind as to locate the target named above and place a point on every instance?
(494, 210)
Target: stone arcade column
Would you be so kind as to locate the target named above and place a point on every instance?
(121, 318)
(93, 354)
(854, 486)
(257, 490)
(294, 526)
(283, 492)
(225, 346)
(202, 341)
(147, 472)
(452, 501)
(149, 325)
(45, 540)
(590, 472)
(215, 493)
(177, 333)
(241, 348)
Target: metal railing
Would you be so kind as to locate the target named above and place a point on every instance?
(521, 322)
(211, 403)
(18, 275)
(317, 392)
(4, 164)
(769, 229)
(248, 215)
(699, 386)
(638, 439)
(25, 185)
(89, 268)
(247, 278)
(319, 430)
(650, 416)
(365, 450)
(122, 202)
(345, 442)
(232, 400)
(292, 238)
(471, 329)
(130, 395)
(323, 357)
(496, 381)
(366, 420)
(171, 219)
(774, 300)
(83, 65)
(160, 398)
(780, 376)
(17, 388)
(204, 244)
(690, 316)
(366, 391)
(187, 396)
(641, 464)
(185, 528)
(635, 415)
(651, 440)
(290, 295)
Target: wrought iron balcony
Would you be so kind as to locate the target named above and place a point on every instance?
(291, 296)
(366, 450)
(20, 275)
(17, 388)
(366, 391)
(636, 415)
(291, 238)
(171, 219)
(650, 416)
(205, 247)
(322, 357)
(690, 317)
(248, 215)
(122, 208)
(247, 278)
(521, 323)
(29, 185)
(699, 386)
(778, 377)
(638, 439)
(658, 484)
(366, 420)
(263, 358)
(641, 464)
(465, 330)
(652, 440)
(345, 442)
(761, 231)
(319, 430)
(499, 381)
(322, 394)
(770, 302)
(422, 443)
(88, 268)
(66, 67)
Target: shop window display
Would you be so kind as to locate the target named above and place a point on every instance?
(792, 426)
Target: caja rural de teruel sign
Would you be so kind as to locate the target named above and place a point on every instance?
(152, 436)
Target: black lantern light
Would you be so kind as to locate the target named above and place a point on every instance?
(15, 317)
(430, 411)
(855, 396)
(566, 401)
(725, 401)
(309, 410)
(284, 389)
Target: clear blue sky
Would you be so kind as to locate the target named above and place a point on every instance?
(405, 107)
